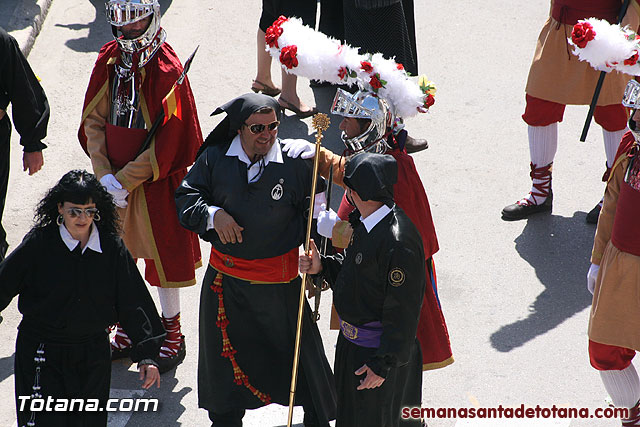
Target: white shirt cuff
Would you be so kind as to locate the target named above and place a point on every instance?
(212, 211)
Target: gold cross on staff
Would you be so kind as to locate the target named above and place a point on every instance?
(320, 122)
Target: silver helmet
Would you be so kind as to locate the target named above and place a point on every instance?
(124, 12)
(631, 99)
(364, 105)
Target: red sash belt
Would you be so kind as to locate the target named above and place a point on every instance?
(571, 11)
(279, 269)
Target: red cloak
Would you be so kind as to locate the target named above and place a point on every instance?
(174, 147)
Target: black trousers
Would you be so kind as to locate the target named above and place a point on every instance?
(67, 372)
(5, 144)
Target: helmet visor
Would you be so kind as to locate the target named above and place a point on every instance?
(631, 97)
(345, 105)
(125, 12)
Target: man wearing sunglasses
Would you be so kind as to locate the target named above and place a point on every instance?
(130, 79)
(250, 201)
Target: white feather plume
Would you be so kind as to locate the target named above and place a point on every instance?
(609, 49)
(322, 58)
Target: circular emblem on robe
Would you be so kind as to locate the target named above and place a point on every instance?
(276, 192)
(349, 330)
(358, 257)
(396, 277)
(228, 262)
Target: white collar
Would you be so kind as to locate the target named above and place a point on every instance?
(373, 219)
(93, 243)
(236, 150)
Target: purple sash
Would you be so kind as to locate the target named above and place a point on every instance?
(367, 335)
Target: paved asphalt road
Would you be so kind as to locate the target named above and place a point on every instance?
(513, 293)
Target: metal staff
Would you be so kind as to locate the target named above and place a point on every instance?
(320, 285)
(596, 93)
(320, 124)
(158, 121)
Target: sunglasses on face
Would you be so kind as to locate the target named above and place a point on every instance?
(259, 128)
(76, 212)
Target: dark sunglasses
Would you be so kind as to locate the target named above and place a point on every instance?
(76, 212)
(259, 128)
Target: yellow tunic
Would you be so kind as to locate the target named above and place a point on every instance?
(615, 312)
(559, 76)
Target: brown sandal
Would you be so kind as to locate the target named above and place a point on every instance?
(298, 112)
(267, 90)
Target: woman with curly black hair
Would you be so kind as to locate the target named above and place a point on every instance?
(75, 277)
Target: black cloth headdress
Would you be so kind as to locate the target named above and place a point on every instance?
(372, 176)
(238, 111)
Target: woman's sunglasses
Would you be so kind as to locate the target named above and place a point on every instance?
(76, 212)
(259, 128)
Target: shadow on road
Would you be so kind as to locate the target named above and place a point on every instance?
(16, 15)
(6, 367)
(559, 249)
(99, 29)
(170, 406)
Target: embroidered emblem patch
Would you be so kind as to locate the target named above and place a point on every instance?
(276, 192)
(349, 330)
(358, 257)
(396, 277)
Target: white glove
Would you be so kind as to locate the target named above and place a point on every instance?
(592, 275)
(299, 148)
(113, 186)
(326, 221)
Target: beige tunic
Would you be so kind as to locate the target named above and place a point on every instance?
(615, 312)
(136, 226)
(559, 76)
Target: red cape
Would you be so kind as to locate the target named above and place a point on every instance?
(410, 196)
(174, 146)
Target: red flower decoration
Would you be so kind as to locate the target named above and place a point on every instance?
(281, 20)
(582, 34)
(375, 82)
(429, 101)
(342, 73)
(366, 66)
(272, 34)
(400, 67)
(288, 56)
(632, 59)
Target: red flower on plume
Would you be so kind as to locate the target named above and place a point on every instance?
(288, 56)
(281, 20)
(366, 66)
(375, 81)
(429, 101)
(582, 34)
(272, 34)
(633, 59)
(342, 73)
(400, 67)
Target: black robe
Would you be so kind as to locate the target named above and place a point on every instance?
(262, 317)
(68, 299)
(381, 278)
(20, 88)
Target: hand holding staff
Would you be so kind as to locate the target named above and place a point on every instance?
(320, 124)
